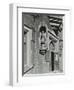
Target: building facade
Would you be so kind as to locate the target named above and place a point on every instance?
(42, 43)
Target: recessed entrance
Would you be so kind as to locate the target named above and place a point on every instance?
(52, 61)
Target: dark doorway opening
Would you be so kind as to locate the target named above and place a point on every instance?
(52, 61)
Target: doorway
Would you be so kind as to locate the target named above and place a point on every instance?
(52, 61)
(27, 51)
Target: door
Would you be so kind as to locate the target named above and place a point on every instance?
(52, 61)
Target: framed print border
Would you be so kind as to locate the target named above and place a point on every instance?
(16, 10)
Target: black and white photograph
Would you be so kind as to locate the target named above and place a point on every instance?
(42, 43)
(39, 37)
(37, 44)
